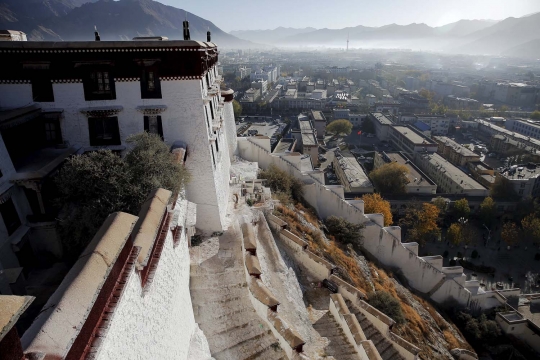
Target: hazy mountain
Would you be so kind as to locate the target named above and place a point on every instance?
(269, 36)
(464, 27)
(503, 36)
(115, 20)
(530, 49)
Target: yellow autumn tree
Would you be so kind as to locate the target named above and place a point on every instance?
(510, 233)
(421, 223)
(531, 227)
(375, 204)
(454, 234)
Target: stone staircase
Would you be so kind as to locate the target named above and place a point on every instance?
(384, 346)
(339, 347)
(223, 309)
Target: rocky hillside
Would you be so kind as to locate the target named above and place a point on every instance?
(424, 326)
(116, 20)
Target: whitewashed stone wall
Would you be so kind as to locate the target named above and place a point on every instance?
(15, 95)
(230, 127)
(384, 243)
(184, 120)
(159, 323)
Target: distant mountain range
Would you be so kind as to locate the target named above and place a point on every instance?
(510, 37)
(116, 20)
(270, 36)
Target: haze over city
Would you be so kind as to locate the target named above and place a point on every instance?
(259, 15)
(270, 180)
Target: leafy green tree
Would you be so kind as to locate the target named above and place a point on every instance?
(93, 185)
(461, 209)
(510, 233)
(339, 127)
(237, 108)
(390, 178)
(535, 115)
(488, 211)
(387, 304)
(344, 231)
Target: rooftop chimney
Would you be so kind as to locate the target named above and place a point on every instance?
(186, 29)
(208, 36)
(96, 34)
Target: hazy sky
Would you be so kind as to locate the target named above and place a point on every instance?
(269, 14)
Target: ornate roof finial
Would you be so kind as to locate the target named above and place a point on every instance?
(186, 29)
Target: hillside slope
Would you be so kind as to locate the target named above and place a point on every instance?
(115, 20)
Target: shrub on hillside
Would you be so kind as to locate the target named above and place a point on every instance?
(388, 305)
(344, 232)
(280, 181)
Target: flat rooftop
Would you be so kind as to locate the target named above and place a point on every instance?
(457, 147)
(509, 133)
(354, 172)
(284, 145)
(523, 171)
(381, 118)
(412, 135)
(453, 172)
(308, 138)
(415, 174)
(317, 115)
(305, 125)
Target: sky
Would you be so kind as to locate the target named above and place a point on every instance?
(269, 14)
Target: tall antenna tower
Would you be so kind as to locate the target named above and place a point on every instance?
(347, 41)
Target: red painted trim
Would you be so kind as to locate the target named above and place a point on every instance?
(147, 274)
(109, 294)
(10, 346)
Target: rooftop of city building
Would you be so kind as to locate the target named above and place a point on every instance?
(457, 147)
(354, 172)
(453, 172)
(415, 176)
(413, 136)
(381, 118)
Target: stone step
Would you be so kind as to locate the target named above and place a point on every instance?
(246, 348)
(218, 293)
(272, 352)
(234, 335)
(220, 322)
(216, 281)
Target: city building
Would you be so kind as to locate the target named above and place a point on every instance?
(523, 320)
(456, 153)
(454, 102)
(351, 174)
(419, 183)
(492, 129)
(382, 125)
(319, 121)
(439, 124)
(448, 177)
(506, 146)
(528, 128)
(408, 140)
(306, 138)
(524, 178)
(261, 85)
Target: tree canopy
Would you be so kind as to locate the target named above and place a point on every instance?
(339, 127)
(344, 231)
(375, 204)
(421, 222)
(535, 115)
(488, 211)
(531, 227)
(454, 234)
(510, 233)
(368, 126)
(461, 209)
(237, 108)
(93, 185)
(390, 178)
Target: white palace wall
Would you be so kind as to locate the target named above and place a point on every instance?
(384, 243)
(182, 120)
